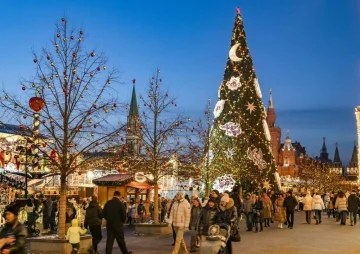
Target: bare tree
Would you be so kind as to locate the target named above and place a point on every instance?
(317, 175)
(74, 87)
(162, 134)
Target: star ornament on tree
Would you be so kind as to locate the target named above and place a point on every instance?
(266, 185)
(231, 129)
(251, 107)
(229, 153)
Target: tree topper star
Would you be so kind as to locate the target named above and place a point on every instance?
(251, 107)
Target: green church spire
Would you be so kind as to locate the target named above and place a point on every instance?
(133, 105)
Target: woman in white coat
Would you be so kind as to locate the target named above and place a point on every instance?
(318, 206)
(307, 201)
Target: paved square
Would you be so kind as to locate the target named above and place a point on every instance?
(328, 237)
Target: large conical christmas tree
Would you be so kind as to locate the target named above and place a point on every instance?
(240, 139)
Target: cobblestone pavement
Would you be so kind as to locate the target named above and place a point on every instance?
(328, 237)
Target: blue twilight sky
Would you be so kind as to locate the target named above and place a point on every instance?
(307, 51)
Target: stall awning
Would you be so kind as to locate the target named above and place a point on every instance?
(35, 182)
(114, 180)
(138, 185)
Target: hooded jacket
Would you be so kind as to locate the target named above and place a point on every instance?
(93, 216)
(180, 213)
(317, 203)
(227, 213)
(74, 232)
(307, 201)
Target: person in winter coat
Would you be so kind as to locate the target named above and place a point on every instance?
(69, 215)
(131, 211)
(331, 209)
(290, 203)
(341, 206)
(168, 216)
(13, 231)
(318, 206)
(308, 201)
(194, 216)
(73, 235)
(141, 211)
(353, 207)
(228, 214)
(180, 219)
(207, 218)
(267, 209)
(115, 215)
(46, 212)
(258, 213)
(93, 220)
(235, 195)
(31, 214)
(280, 213)
(247, 209)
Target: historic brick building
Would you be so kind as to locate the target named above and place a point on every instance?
(287, 155)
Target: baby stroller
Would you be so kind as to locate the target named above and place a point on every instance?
(218, 240)
(30, 224)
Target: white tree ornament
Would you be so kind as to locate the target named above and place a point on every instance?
(219, 108)
(224, 183)
(257, 157)
(231, 129)
(266, 130)
(257, 88)
(234, 83)
(229, 153)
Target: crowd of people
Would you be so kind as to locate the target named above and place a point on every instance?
(182, 213)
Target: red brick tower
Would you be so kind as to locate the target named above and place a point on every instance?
(275, 131)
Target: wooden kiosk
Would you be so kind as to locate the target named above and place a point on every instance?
(128, 187)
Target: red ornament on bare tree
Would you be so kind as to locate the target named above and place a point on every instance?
(36, 103)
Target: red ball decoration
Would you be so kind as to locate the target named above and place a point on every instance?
(35, 60)
(36, 103)
(23, 88)
(81, 32)
(92, 54)
(58, 35)
(71, 37)
(74, 54)
(98, 68)
(63, 19)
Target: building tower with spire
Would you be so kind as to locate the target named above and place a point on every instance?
(324, 155)
(287, 156)
(353, 166)
(275, 131)
(336, 166)
(133, 132)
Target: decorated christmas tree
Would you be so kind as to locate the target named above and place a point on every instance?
(240, 138)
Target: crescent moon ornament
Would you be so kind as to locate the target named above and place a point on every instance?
(232, 53)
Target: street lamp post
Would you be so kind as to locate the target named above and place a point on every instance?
(357, 114)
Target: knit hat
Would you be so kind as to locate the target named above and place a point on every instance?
(225, 198)
(13, 208)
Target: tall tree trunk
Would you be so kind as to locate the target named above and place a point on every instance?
(207, 189)
(156, 203)
(62, 209)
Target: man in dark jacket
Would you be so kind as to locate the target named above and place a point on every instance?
(13, 229)
(115, 215)
(93, 219)
(290, 203)
(353, 207)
